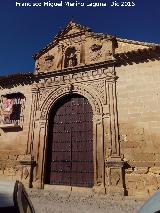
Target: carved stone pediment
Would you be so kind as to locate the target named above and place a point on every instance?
(72, 28)
(74, 46)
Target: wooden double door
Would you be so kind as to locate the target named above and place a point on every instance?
(70, 148)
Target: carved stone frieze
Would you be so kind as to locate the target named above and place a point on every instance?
(96, 79)
(81, 76)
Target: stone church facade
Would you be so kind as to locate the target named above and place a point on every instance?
(88, 116)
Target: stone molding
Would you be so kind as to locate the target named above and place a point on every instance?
(98, 86)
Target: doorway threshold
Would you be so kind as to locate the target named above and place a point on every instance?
(68, 188)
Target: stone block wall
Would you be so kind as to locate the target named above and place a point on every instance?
(13, 141)
(13, 167)
(138, 97)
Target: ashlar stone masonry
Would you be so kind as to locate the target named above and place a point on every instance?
(120, 79)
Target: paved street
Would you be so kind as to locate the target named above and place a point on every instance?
(46, 201)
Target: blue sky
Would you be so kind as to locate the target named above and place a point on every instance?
(25, 30)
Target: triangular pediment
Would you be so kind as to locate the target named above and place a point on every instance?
(72, 28)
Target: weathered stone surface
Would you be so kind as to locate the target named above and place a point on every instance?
(141, 170)
(13, 157)
(155, 170)
(122, 84)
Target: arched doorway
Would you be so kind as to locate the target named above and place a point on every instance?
(70, 143)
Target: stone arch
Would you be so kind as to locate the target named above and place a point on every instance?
(70, 112)
(80, 89)
(47, 105)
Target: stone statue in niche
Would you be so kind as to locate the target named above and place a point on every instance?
(70, 57)
(6, 108)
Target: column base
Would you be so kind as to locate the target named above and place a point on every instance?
(114, 179)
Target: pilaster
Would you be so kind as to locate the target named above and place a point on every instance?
(114, 181)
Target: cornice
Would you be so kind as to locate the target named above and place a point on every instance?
(138, 56)
(29, 78)
(77, 69)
